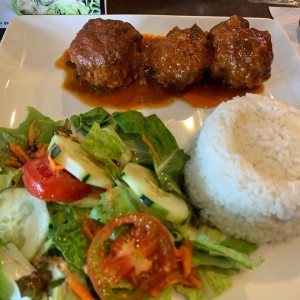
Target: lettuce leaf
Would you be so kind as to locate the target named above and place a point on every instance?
(201, 258)
(215, 282)
(45, 126)
(215, 248)
(171, 159)
(7, 137)
(239, 245)
(167, 158)
(130, 122)
(66, 234)
(12, 178)
(106, 146)
(84, 121)
(44, 129)
(124, 202)
(147, 138)
(131, 129)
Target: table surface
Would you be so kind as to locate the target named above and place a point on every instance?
(243, 8)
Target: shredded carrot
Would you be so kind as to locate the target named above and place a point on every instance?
(155, 293)
(193, 279)
(75, 285)
(32, 136)
(110, 193)
(171, 279)
(53, 165)
(21, 155)
(152, 149)
(182, 273)
(90, 227)
(177, 277)
(191, 275)
(71, 280)
(185, 252)
(41, 150)
(13, 162)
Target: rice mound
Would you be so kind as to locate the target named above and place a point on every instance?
(244, 172)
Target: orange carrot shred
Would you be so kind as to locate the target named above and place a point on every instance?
(152, 149)
(183, 273)
(75, 285)
(32, 136)
(194, 279)
(89, 226)
(53, 165)
(42, 150)
(186, 257)
(110, 193)
(19, 153)
(13, 162)
(155, 293)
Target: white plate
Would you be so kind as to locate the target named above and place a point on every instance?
(32, 44)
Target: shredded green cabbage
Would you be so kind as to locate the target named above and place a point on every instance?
(56, 7)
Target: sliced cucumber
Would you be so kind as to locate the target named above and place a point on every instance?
(144, 183)
(24, 220)
(73, 158)
(9, 289)
(13, 262)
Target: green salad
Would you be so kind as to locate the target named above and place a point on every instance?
(56, 7)
(94, 207)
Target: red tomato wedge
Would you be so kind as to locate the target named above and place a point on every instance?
(143, 255)
(59, 185)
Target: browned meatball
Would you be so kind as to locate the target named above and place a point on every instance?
(242, 56)
(179, 59)
(107, 53)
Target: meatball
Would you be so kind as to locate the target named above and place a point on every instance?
(179, 59)
(242, 56)
(107, 53)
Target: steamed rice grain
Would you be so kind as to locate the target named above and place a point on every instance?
(244, 173)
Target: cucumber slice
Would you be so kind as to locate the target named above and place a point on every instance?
(7, 287)
(73, 158)
(144, 183)
(13, 263)
(24, 220)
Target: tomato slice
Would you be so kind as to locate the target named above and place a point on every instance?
(59, 185)
(143, 255)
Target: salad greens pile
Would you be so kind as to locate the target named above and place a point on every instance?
(114, 139)
(56, 7)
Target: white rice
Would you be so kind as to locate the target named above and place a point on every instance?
(244, 173)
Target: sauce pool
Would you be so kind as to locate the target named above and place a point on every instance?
(147, 93)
